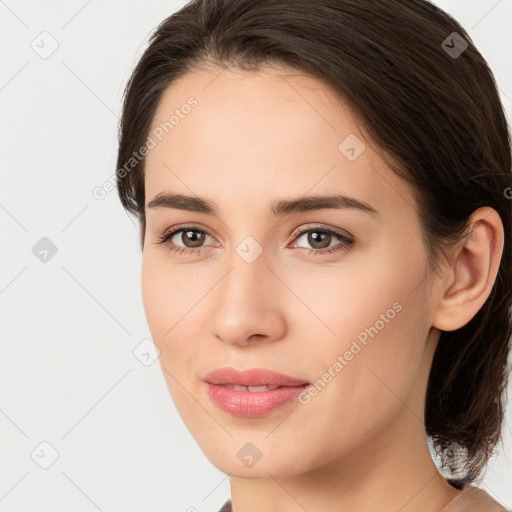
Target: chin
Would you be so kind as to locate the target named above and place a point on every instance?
(245, 460)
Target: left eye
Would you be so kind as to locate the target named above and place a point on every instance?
(319, 238)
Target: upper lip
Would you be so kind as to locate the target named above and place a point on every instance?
(252, 377)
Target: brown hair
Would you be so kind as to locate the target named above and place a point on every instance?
(426, 99)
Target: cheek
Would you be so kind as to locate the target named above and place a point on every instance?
(380, 324)
(154, 296)
(167, 294)
(163, 313)
(165, 308)
(174, 311)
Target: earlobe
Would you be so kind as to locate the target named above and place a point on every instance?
(469, 281)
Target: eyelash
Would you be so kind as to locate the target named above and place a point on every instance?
(345, 244)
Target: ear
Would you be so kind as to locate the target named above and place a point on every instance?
(469, 280)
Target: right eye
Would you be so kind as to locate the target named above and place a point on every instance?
(189, 234)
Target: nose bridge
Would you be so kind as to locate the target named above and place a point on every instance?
(244, 284)
(245, 303)
(248, 269)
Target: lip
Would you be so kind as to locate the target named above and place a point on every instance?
(252, 404)
(249, 404)
(252, 377)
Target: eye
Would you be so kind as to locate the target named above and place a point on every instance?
(321, 237)
(192, 237)
(189, 236)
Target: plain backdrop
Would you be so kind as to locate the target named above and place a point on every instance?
(86, 422)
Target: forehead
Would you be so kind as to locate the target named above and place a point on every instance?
(278, 103)
(271, 132)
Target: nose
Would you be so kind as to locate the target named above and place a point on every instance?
(248, 304)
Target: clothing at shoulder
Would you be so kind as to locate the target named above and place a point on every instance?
(226, 507)
(473, 499)
(470, 499)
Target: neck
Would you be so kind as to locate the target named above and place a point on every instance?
(388, 476)
(390, 470)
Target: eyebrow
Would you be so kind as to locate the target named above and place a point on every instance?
(278, 208)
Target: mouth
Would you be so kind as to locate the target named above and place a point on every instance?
(252, 393)
(252, 389)
(253, 380)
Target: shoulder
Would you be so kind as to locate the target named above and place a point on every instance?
(473, 499)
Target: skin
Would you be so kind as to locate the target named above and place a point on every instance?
(359, 444)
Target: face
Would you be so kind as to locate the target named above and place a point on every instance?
(331, 296)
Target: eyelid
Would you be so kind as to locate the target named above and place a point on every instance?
(185, 227)
(328, 229)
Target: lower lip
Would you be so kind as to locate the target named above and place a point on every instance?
(248, 404)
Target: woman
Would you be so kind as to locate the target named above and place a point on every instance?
(324, 190)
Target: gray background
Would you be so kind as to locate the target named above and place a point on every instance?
(73, 371)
